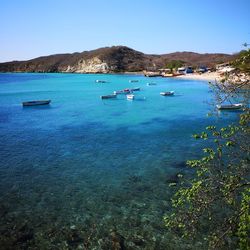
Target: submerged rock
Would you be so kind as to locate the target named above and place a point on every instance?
(174, 178)
(138, 240)
(182, 164)
(117, 241)
(74, 238)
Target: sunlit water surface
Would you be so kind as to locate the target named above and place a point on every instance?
(83, 173)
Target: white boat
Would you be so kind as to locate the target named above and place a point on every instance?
(108, 96)
(151, 83)
(230, 106)
(100, 81)
(36, 103)
(130, 97)
(167, 93)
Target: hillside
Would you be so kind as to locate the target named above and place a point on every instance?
(110, 59)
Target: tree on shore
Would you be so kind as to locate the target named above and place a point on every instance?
(243, 62)
(213, 206)
(174, 64)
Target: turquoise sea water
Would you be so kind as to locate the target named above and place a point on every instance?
(83, 173)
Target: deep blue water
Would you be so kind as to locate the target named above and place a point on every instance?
(85, 166)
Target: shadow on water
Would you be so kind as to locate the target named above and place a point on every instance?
(180, 165)
(39, 107)
(159, 120)
(4, 117)
(224, 112)
(146, 123)
(177, 95)
(140, 99)
(118, 114)
(172, 96)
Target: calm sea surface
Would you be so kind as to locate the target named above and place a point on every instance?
(83, 173)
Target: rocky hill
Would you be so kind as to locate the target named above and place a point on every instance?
(110, 59)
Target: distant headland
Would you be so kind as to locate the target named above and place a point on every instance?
(115, 59)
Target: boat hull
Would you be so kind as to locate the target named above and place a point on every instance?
(135, 89)
(108, 96)
(229, 107)
(122, 92)
(100, 81)
(130, 97)
(36, 103)
(171, 93)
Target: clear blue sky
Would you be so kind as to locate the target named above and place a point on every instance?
(31, 28)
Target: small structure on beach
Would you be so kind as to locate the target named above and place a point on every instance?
(185, 70)
(189, 70)
(181, 70)
(202, 69)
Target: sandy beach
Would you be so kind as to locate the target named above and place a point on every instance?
(209, 76)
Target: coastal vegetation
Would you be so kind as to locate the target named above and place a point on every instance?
(243, 62)
(212, 206)
(175, 64)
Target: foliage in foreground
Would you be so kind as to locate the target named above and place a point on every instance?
(242, 63)
(214, 206)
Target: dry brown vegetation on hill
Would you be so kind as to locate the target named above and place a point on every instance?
(110, 59)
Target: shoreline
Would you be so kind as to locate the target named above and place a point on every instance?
(212, 76)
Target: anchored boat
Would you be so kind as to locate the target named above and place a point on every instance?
(100, 81)
(108, 96)
(36, 103)
(230, 106)
(135, 89)
(130, 97)
(124, 91)
(167, 93)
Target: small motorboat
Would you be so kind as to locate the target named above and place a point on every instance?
(130, 97)
(167, 93)
(108, 96)
(134, 89)
(36, 103)
(124, 91)
(151, 83)
(230, 106)
(133, 81)
(100, 81)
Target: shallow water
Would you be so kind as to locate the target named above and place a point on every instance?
(83, 173)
